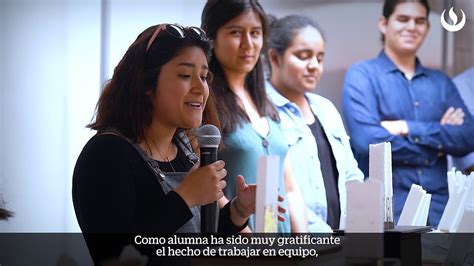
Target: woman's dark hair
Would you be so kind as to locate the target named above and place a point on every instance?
(390, 5)
(283, 31)
(4, 214)
(215, 14)
(125, 102)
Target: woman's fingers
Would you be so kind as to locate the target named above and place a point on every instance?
(280, 198)
(281, 209)
(281, 218)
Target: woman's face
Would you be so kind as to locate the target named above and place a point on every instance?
(182, 90)
(238, 43)
(300, 68)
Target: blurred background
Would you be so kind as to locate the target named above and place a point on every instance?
(56, 54)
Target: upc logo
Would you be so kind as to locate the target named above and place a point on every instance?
(454, 18)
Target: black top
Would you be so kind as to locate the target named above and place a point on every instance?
(330, 173)
(114, 191)
(179, 164)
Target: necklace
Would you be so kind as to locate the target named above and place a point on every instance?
(166, 158)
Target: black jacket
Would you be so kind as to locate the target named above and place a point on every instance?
(114, 191)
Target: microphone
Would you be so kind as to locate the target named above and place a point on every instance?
(209, 138)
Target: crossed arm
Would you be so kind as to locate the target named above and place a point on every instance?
(452, 116)
(413, 142)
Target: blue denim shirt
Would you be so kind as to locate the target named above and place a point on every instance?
(376, 90)
(304, 158)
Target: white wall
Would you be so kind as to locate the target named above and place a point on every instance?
(2, 128)
(50, 69)
(129, 18)
(50, 83)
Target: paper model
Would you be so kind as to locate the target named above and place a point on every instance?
(380, 168)
(416, 207)
(364, 207)
(459, 203)
(267, 194)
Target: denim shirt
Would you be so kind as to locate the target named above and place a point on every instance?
(376, 90)
(304, 158)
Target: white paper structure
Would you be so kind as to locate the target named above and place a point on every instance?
(461, 244)
(380, 165)
(268, 170)
(466, 225)
(458, 214)
(380, 168)
(421, 218)
(365, 210)
(416, 207)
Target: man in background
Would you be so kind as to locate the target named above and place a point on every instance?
(394, 98)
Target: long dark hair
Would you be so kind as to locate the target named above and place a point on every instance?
(4, 214)
(215, 14)
(125, 103)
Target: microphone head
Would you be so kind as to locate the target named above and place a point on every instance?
(209, 136)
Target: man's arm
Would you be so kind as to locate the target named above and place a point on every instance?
(452, 134)
(363, 120)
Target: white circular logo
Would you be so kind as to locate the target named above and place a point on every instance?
(454, 18)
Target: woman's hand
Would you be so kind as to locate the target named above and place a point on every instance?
(281, 210)
(203, 185)
(243, 205)
(245, 197)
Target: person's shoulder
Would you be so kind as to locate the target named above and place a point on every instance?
(109, 145)
(363, 68)
(326, 107)
(435, 72)
(107, 141)
(361, 74)
(467, 74)
(439, 78)
(465, 81)
(320, 101)
(366, 63)
(106, 155)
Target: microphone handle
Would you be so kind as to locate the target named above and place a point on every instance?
(209, 212)
(209, 218)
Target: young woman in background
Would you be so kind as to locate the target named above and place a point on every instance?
(319, 146)
(249, 120)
